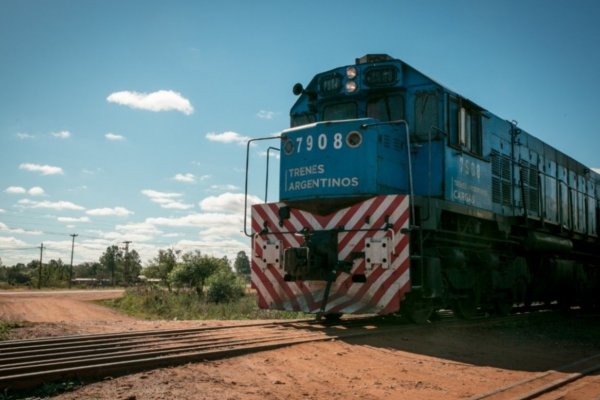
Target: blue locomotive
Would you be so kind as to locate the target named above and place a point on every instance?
(398, 194)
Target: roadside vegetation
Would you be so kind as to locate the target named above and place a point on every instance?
(173, 285)
(158, 303)
(195, 286)
(6, 327)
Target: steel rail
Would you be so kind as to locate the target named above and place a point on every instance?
(140, 347)
(86, 337)
(19, 368)
(31, 374)
(91, 346)
(544, 382)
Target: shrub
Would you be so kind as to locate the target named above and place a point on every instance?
(224, 287)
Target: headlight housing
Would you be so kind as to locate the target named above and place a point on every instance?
(351, 86)
(288, 147)
(354, 139)
(351, 72)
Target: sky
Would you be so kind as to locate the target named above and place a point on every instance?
(127, 120)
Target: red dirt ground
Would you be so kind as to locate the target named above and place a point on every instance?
(433, 361)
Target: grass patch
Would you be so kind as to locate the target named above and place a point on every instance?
(155, 303)
(6, 327)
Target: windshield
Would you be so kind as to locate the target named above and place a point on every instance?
(386, 108)
(302, 119)
(341, 111)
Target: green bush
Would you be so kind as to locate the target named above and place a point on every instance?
(6, 327)
(158, 303)
(224, 287)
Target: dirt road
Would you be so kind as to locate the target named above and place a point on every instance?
(58, 306)
(433, 361)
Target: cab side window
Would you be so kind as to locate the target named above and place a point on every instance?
(426, 114)
(465, 126)
(469, 130)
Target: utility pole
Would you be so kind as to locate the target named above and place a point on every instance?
(126, 271)
(73, 235)
(40, 268)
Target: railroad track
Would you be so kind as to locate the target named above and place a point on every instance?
(25, 364)
(547, 385)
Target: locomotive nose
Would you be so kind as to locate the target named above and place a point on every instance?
(328, 166)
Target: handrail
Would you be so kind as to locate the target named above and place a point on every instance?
(246, 182)
(267, 174)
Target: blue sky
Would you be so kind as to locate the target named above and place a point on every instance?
(126, 120)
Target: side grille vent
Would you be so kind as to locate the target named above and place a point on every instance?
(501, 179)
(529, 174)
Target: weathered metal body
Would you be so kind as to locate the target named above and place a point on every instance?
(479, 213)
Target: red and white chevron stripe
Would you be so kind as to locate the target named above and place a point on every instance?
(363, 224)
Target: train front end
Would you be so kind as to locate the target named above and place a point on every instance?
(337, 242)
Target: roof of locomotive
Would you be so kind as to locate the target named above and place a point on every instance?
(527, 139)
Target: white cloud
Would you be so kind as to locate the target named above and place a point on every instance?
(274, 154)
(155, 194)
(597, 170)
(162, 100)
(188, 178)
(5, 228)
(264, 114)
(199, 220)
(177, 205)
(136, 232)
(43, 169)
(73, 219)
(2, 211)
(15, 190)
(225, 187)
(216, 247)
(227, 202)
(24, 136)
(139, 228)
(55, 205)
(36, 191)
(61, 134)
(228, 137)
(114, 137)
(103, 212)
(11, 242)
(167, 199)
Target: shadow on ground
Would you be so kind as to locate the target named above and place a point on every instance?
(533, 342)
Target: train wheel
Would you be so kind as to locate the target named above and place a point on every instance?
(332, 317)
(466, 307)
(417, 311)
(503, 303)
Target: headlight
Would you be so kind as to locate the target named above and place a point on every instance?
(354, 139)
(350, 86)
(351, 72)
(288, 147)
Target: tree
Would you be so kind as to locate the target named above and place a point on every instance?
(195, 269)
(224, 286)
(132, 266)
(161, 266)
(55, 273)
(242, 265)
(18, 275)
(88, 270)
(110, 260)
